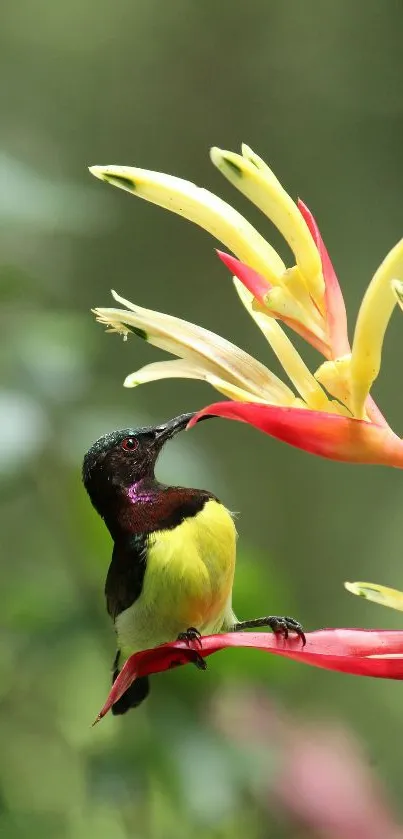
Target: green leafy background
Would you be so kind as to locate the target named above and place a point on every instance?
(316, 90)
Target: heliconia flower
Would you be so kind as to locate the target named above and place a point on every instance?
(330, 412)
(360, 652)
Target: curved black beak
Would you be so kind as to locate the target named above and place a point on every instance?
(169, 429)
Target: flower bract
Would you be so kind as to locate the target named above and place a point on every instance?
(360, 652)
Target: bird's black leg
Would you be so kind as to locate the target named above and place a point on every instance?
(279, 625)
(192, 636)
(115, 666)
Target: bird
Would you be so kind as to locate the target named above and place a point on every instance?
(173, 561)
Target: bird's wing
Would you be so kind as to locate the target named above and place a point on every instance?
(125, 577)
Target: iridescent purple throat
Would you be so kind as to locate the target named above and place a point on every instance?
(137, 493)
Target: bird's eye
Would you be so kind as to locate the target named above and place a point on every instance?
(129, 444)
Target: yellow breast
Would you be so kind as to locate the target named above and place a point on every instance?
(188, 580)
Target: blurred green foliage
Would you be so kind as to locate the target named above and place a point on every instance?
(316, 90)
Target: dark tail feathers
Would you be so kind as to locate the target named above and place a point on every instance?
(133, 696)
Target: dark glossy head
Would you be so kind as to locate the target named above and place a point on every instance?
(122, 458)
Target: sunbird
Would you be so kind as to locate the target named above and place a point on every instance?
(174, 548)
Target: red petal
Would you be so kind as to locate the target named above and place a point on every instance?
(374, 413)
(147, 661)
(335, 306)
(317, 432)
(259, 287)
(336, 310)
(304, 333)
(253, 281)
(343, 650)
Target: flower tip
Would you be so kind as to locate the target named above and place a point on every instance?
(302, 206)
(114, 175)
(215, 155)
(253, 282)
(97, 171)
(229, 164)
(205, 413)
(193, 421)
(354, 588)
(130, 381)
(117, 296)
(251, 156)
(228, 260)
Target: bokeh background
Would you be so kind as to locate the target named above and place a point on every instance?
(317, 90)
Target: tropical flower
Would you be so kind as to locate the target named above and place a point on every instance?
(329, 412)
(361, 652)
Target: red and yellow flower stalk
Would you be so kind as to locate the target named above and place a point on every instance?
(329, 412)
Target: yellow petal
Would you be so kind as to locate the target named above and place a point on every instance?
(234, 392)
(383, 595)
(289, 358)
(295, 285)
(259, 184)
(281, 302)
(202, 207)
(257, 161)
(397, 288)
(184, 369)
(338, 408)
(335, 377)
(178, 368)
(374, 315)
(206, 349)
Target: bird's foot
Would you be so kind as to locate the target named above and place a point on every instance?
(193, 636)
(279, 625)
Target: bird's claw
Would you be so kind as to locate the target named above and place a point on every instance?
(284, 625)
(193, 636)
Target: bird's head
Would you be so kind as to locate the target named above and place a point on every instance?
(122, 459)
